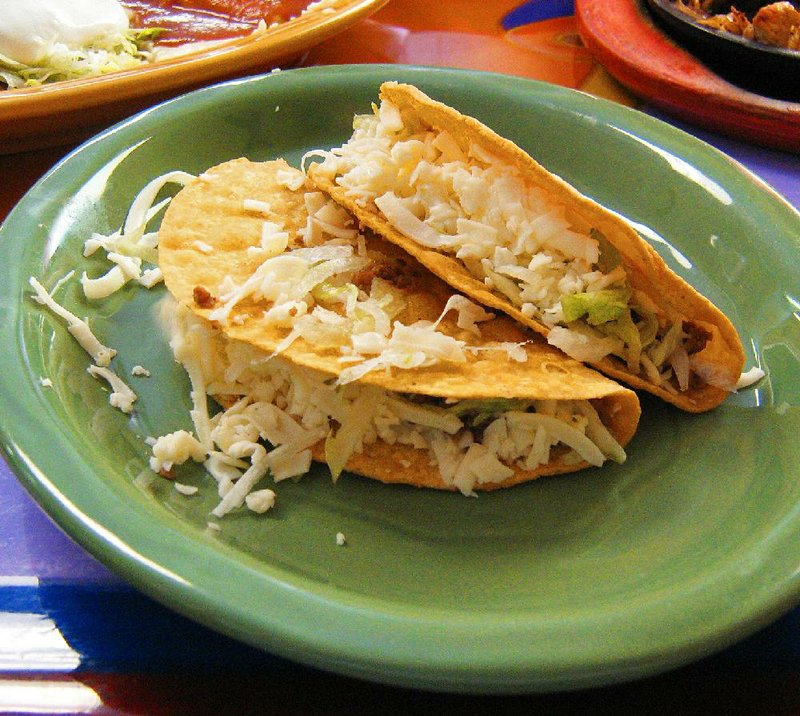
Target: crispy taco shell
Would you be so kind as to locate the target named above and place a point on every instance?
(722, 355)
(204, 240)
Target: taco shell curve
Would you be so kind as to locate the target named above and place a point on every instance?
(646, 270)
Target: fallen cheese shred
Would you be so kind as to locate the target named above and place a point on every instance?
(122, 397)
(100, 354)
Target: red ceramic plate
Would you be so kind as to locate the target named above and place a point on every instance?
(623, 37)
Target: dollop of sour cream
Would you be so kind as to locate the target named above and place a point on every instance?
(30, 27)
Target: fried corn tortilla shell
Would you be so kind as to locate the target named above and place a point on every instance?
(717, 348)
(204, 241)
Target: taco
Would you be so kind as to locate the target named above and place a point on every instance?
(487, 218)
(335, 346)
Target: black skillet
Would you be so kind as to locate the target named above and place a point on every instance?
(767, 70)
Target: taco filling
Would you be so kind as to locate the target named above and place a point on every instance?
(291, 272)
(325, 343)
(451, 193)
(280, 416)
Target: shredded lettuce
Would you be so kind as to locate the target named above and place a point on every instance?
(425, 415)
(477, 412)
(599, 307)
(339, 446)
(647, 326)
(122, 52)
(663, 349)
(625, 329)
(600, 435)
(328, 293)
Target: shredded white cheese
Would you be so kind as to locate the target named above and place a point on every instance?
(256, 206)
(468, 204)
(283, 411)
(203, 247)
(292, 409)
(79, 329)
(122, 397)
(750, 377)
(311, 294)
(132, 244)
(187, 490)
(175, 449)
(261, 501)
(523, 242)
(151, 277)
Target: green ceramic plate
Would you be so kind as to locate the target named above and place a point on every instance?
(599, 577)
